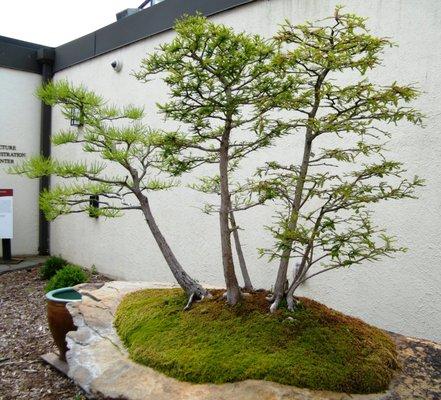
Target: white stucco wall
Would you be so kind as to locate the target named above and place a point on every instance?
(20, 126)
(401, 294)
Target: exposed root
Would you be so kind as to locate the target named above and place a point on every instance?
(241, 293)
(190, 301)
(275, 304)
(291, 302)
(197, 297)
(248, 289)
(201, 293)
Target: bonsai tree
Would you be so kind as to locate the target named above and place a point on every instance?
(235, 94)
(220, 83)
(326, 219)
(122, 175)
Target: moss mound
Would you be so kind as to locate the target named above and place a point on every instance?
(316, 347)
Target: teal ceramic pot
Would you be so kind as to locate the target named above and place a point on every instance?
(59, 319)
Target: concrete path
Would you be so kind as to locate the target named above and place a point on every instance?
(27, 263)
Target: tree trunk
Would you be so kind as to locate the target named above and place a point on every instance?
(279, 287)
(304, 265)
(233, 290)
(290, 295)
(243, 266)
(190, 286)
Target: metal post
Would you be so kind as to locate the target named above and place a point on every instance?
(6, 247)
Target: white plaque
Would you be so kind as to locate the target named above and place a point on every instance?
(6, 214)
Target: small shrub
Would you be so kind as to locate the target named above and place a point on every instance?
(70, 275)
(51, 267)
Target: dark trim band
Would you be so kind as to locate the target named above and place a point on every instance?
(21, 55)
(17, 54)
(146, 23)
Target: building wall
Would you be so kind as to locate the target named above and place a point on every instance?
(20, 127)
(400, 294)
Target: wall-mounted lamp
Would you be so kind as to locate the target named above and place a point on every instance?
(76, 117)
(94, 203)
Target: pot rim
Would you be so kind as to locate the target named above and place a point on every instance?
(50, 295)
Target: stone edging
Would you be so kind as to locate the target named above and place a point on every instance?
(99, 363)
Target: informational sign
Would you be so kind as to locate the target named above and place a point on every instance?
(9, 154)
(6, 214)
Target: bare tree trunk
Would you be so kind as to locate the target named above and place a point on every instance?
(190, 286)
(233, 289)
(304, 266)
(290, 294)
(280, 285)
(243, 266)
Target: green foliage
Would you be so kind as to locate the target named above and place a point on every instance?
(211, 72)
(69, 275)
(117, 136)
(51, 266)
(315, 347)
(325, 202)
(220, 83)
(234, 94)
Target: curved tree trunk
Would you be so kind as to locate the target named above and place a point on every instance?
(242, 263)
(190, 286)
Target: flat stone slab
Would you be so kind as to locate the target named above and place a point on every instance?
(53, 360)
(26, 262)
(99, 363)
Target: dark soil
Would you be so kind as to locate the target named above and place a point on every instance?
(24, 337)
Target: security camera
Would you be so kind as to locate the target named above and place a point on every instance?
(116, 65)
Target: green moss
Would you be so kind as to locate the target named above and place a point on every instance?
(317, 348)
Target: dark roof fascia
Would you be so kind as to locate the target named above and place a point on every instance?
(20, 55)
(146, 23)
(17, 42)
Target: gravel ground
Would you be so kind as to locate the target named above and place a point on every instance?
(24, 337)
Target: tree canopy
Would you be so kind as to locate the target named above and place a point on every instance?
(234, 94)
